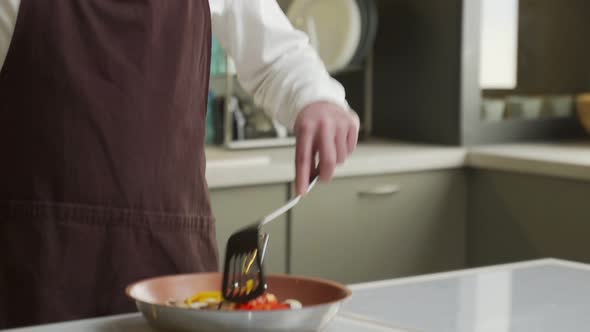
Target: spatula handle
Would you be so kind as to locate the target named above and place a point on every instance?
(287, 206)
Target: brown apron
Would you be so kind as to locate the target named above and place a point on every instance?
(103, 170)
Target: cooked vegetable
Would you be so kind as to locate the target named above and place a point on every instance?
(214, 301)
(264, 302)
(294, 304)
(207, 297)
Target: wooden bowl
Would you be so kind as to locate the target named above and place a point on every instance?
(583, 110)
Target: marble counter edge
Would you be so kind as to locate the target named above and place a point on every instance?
(551, 159)
(527, 165)
(284, 172)
(134, 322)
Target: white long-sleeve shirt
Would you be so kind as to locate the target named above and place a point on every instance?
(274, 62)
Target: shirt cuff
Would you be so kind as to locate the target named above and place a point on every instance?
(331, 92)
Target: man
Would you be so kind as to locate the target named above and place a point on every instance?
(103, 105)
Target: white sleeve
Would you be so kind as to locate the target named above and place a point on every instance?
(8, 15)
(274, 62)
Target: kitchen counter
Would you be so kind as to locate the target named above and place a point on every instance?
(566, 159)
(267, 166)
(542, 296)
(136, 323)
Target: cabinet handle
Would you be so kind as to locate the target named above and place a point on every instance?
(385, 190)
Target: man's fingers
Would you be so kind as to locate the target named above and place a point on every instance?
(327, 151)
(303, 157)
(353, 134)
(352, 139)
(341, 144)
(325, 131)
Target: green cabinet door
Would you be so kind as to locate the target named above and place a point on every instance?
(380, 227)
(516, 217)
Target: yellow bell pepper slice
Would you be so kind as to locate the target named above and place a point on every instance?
(204, 297)
(249, 285)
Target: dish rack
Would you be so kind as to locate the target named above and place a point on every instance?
(227, 87)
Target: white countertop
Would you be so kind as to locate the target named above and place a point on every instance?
(564, 159)
(253, 167)
(266, 166)
(541, 296)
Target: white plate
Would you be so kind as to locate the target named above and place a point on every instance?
(333, 26)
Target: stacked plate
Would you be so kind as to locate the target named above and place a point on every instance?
(342, 31)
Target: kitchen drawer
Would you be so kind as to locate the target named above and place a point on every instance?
(237, 207)
(379, 227)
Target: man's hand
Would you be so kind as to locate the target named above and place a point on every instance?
(323, 130)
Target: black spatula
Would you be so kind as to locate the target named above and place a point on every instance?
(243, 271)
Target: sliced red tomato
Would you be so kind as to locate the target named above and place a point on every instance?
(265, 302)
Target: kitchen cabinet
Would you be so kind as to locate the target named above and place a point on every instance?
(238, 207)
(515, 217)
(378, 227)
(430, 58)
